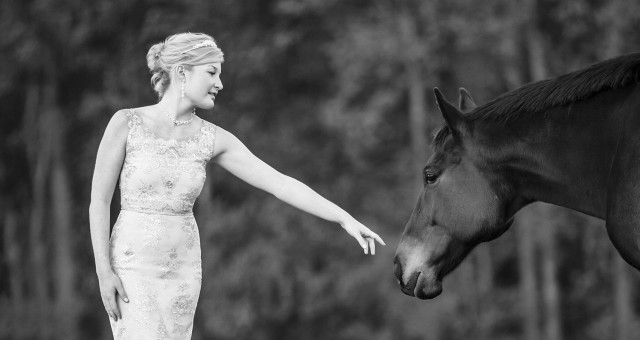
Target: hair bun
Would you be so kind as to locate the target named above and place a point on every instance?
(153, 57)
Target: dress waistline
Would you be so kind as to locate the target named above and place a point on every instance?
(151, 212)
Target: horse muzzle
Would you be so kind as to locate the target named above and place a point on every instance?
(421, 284)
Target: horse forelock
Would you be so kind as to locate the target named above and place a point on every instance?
(439, 136)
(575, 86)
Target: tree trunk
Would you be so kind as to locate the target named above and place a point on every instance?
(613, 14)
(416, 90)
(551, 289)
(526, 238)
(475, 281)
(37, 139)
(417, 114)
(484, 269)
(14, 261)
(484, 286)
(623, 310)
(61, 203)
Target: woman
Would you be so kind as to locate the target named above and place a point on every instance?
(152, 261)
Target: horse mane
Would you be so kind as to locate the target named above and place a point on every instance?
(571, 87)
(543, 95)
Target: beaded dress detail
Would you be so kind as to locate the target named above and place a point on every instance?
(155, 245)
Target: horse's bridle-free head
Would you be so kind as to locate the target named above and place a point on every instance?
(463, 202)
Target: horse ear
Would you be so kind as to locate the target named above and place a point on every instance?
(466, 103)
(451, 114)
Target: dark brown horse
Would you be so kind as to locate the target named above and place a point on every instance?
(572, 141)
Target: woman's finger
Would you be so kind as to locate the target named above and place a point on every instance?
(105, 304)
(362, 242)
(114, 307)
(368, 233)
(372, 245)
(378, 238)
(121, 292)
(107, 307)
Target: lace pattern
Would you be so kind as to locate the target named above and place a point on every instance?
(160, 175)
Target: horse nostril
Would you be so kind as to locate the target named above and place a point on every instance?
(397, 270)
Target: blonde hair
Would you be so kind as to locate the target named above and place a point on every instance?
(178, 50)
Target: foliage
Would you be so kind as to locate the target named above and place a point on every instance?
(318, 89)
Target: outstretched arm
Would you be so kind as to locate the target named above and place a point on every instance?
(234, 156)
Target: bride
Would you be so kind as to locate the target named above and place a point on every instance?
(149, 270)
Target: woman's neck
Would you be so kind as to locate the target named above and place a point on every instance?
(171, 105)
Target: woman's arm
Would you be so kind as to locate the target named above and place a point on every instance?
(105, 175)
(234, 156)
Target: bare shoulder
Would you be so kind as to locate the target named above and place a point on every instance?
(226, 141)
(118, 127)
(224, 138)
(120, 118)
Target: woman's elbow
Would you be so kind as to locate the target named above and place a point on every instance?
(97, 205)
(284, 187)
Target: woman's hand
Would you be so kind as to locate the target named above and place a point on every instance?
(110, 286)
(363, 235)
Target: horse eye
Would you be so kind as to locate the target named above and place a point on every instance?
(430, 177)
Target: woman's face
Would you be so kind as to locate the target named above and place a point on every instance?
(203, 84)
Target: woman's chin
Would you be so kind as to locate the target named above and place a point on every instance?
(206, 105)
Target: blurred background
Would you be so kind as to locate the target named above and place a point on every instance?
(337, 94)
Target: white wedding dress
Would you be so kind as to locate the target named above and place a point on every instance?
(155, 245)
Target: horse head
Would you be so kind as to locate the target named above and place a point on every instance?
(464, 201)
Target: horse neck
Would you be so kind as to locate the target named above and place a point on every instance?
(562, 155)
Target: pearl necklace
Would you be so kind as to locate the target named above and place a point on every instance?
(181, 122)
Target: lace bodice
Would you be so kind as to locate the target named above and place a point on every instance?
(164, 176)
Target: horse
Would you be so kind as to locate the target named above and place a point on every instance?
(571, 141)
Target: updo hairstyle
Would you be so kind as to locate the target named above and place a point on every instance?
(163, 58)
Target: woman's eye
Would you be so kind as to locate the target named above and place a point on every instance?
(430, 177)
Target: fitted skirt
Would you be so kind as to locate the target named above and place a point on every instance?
(157, 258)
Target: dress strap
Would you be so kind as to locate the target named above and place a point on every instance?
(213, 136)
(134, 120)
(210, 130)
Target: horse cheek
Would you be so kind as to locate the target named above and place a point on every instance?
(480, 209)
